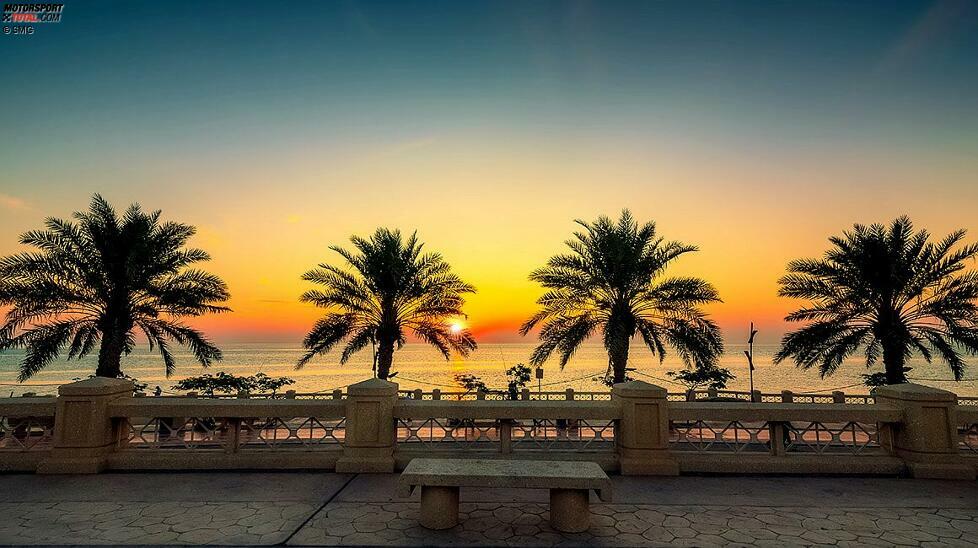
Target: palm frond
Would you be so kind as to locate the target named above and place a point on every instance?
(613, 279)
(100, 272)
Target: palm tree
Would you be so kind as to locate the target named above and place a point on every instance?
(95, 281)
(392, 287)
(890, 291)
(613, 281)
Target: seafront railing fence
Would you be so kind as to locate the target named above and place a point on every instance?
(569, 394)
(636, 428)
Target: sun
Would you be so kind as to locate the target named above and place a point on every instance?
(456, 328)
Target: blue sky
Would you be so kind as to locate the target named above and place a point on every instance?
(278, 129)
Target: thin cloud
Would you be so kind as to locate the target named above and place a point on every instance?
(939, 20)
(13, 203)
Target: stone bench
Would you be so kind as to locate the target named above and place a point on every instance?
(569, 483)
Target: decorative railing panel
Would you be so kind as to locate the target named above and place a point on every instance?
(780, 429)
(507, 426)
(563, 435)
(969, 438)
(852, 438)
(968, 429)
(291, 433)
(229, 425)
(231, 435)
(729, 436)
(191, 434)
(450, 433)
(495, 395)
(26, 424)
(533, 395)
(26, 433)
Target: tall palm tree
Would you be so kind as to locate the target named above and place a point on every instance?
(389, 287)
(95, 281)
(613, 282)
(888, 290)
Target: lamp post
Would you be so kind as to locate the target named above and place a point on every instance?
(540, 381)
(750, 357)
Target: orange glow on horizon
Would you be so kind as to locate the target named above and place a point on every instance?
(501, 205)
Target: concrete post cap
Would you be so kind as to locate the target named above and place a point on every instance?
(372, 387)
(96, 386)
(638, 389)
(914, 392)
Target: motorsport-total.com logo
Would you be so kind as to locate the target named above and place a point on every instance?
(23, 16)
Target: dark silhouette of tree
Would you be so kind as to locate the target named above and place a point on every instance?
(228, 383)
(95, 281)
(887, 290)
(389, 288)
(709, 375)
(613, 282)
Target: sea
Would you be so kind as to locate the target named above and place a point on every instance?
(420, 366)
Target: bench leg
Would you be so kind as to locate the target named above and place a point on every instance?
(569, 510)
(439, 507)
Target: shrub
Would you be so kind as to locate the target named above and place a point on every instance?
(226, 383)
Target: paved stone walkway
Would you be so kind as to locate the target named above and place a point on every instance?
(256, 523)
(334, 509)
(526, 524)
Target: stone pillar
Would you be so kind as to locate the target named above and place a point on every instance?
(370, 432)
(569, 510)
(439, 507)
(642, 433)
(927, 439)
(84, 432)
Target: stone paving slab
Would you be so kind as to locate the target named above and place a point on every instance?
(128, 523)
(526, 524)
(323, 508)
(796, 491)
(717, 490)
(176, 486)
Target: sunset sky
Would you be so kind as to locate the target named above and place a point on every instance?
(754, 130)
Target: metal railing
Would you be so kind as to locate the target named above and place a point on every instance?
(779, 429)
(26, 424)
(738, 432)
(785, 396)
(230, 426)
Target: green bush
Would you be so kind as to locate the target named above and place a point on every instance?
(710, 376)
(226, 383)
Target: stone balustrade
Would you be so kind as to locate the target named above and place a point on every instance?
(569, 394)
(638, 429)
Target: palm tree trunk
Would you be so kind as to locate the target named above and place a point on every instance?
(385, 357)
(110, 355)
(618, 355)
(894, 359)
(892, 336)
